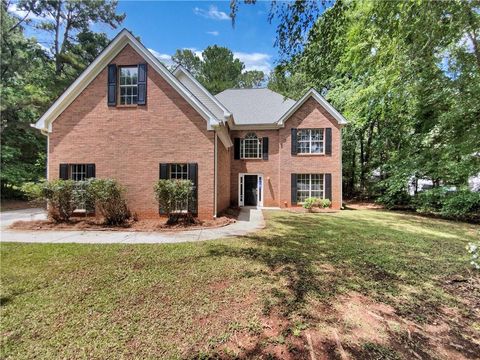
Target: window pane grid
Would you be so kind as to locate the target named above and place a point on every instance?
(179, 172)
(251, 147)
(309, 185)
(128, 85)
(78, 172)
(310, 141)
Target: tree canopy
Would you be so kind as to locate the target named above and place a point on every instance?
(218, 69)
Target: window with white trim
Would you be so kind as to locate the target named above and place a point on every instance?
(311, 141)
(179, 171)
(128, 85)
(251, 147)
(310, 185)
(78, 172)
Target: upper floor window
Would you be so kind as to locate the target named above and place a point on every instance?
(251, 147)
(310, 141)
(128, 85)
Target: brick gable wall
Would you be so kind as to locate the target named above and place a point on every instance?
(129, 143)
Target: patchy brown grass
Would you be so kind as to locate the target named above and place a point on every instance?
(350, 285)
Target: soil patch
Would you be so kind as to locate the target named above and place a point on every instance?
(95, 224)
(13, 204)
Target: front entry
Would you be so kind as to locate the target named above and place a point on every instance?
(250, 190)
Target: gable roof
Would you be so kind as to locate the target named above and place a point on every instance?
(199, 91)
(255, 106)
(122, 39)
(321, 100)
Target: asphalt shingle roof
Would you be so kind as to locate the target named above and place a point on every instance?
(255, 106)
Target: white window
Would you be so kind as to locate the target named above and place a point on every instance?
(310, 141)
(78, 172)
(179, 171)
(128, 85)
(310, 185)
(251, 147)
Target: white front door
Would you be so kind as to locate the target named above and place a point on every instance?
(250, 189)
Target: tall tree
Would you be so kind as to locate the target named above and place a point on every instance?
(66, 19)
(188, 59)
(251, 79)
(220, 70)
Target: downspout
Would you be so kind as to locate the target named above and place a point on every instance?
(341, 170)
(215, 176)
(48, 155)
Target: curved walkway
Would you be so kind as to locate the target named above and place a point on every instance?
(249, 220)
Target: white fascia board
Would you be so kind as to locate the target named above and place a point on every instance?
(321, 100)
(273, 126)
(181, 69)
(223, 134)
(103, 59)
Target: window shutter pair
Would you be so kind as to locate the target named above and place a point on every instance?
(327, 188)
(64, 173)
(164, 174)
(328, 141)
(265, 148)
(112, 85)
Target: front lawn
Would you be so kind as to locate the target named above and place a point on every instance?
(359, 283)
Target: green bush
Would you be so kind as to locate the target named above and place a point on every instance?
(462, 204)
(324, 203)
(309, 203)
(64, 196)
(172, 196)
(108, 197)
(60, 195)
(312, 202)
(430, 201)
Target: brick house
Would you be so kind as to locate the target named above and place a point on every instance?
(128, 117)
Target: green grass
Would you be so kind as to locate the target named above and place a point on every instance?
(197, 299)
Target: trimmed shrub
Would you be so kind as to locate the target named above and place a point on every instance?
(430, 201)
(60, 195)
(173, 196)
(309, 203)
(324, 203)
(108, 197)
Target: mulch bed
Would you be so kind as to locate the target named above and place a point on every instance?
(96, 224)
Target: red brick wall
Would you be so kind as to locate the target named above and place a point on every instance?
(129, 143)
(223, 177)
(281, 164)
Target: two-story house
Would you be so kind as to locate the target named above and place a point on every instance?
(129, 118)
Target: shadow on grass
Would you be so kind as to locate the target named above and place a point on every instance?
(323, 256)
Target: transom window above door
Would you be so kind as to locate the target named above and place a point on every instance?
(310, 141)
(251, 147)
(128, 85)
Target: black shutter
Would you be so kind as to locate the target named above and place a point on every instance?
(164, 172)
(294, 141)
(112, 85)
(328, 141)
(63, 171)
(90, 171)
(328, 186)
(265, 148)
(294, 189)
(236, 148)
(142, 84)
(193, 177)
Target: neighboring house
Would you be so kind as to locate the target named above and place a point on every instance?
(127, 117)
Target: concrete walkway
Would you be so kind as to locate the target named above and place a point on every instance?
(249, 220)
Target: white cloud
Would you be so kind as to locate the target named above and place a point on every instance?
(164, 58)
(254, 61)
(211, 13)
(214, 33)
(13, 9)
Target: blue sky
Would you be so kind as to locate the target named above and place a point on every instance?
(165, 26)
